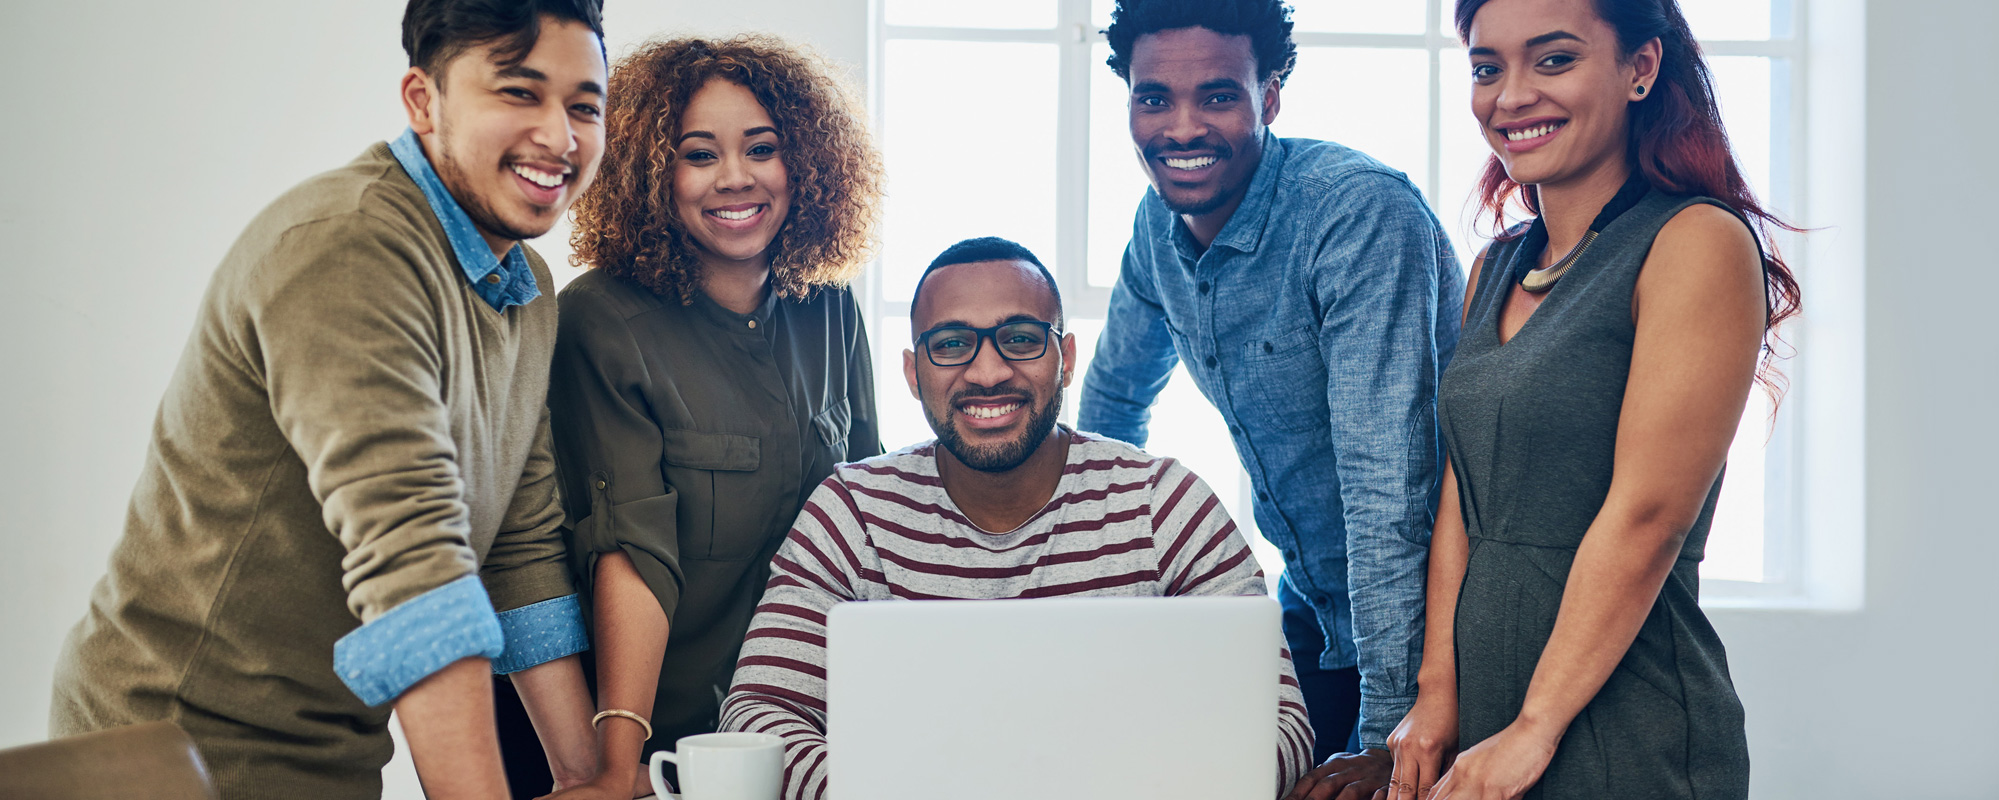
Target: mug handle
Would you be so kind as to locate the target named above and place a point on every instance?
(658, 777)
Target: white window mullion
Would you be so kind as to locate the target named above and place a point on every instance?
(1435, 41)
(1072, 159)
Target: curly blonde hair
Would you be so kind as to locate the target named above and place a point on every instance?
(626, 224)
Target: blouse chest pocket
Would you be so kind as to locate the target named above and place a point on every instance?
(717, 477)
(1286, 387)
(833, 425)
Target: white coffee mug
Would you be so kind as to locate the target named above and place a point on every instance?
(723, 766)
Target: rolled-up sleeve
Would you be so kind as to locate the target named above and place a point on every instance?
(609, 450)
(1388, 286)
(525, 572)
(384, 658)
(539, 633)
(1134, 358)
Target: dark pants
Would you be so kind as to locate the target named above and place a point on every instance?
(520, 750)
(1332, 696)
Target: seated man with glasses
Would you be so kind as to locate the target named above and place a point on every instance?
(1004, 503)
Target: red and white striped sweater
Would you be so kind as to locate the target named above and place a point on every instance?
(1122, 524)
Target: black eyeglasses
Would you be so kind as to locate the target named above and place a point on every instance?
(957, 345)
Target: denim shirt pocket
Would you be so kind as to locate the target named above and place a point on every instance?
(715, 474)
(1183, 347)
(1286, 385)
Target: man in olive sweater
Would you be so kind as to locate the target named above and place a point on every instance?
(349, 502)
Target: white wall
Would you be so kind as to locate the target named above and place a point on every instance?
(141, 137)
(1898, 699)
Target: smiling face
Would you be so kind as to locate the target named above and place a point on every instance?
(1197, 117)
(990, 414)
(1552, 88)
(730, 188)
(514, 144)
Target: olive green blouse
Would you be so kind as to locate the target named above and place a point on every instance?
(689, 437)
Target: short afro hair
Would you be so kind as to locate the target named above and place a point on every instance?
(986, 248)
(1267, 23)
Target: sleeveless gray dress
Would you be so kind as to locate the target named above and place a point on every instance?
(1531, 426)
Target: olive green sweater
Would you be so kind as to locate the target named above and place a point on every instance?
(350, 427)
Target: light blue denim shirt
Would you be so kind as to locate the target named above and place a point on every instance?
(385, 657)
(501, 282)
(1317, 322)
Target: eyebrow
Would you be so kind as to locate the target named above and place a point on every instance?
(1206, 86)
(531, 74)
(959, 323)
(522, 71)
(1552, 36)
(709, 135)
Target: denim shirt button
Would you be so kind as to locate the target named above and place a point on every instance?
(1235, 430)
(1203, 287)
(1211, 362)
(1263, 496)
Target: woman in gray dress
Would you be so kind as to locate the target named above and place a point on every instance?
(1609, 345)
(711, 368)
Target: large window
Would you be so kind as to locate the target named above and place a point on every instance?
(1001, 119)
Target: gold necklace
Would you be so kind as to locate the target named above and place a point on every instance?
(1541, 279)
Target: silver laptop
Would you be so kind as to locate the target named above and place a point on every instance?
(1057, 699)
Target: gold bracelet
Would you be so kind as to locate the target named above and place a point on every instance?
(619, 712)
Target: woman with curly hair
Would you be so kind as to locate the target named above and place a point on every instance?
(711, 367)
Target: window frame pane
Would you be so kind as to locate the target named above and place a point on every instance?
(1076, 31)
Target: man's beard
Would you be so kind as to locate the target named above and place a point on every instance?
(1205, 205)
(452, 174)
(1197, 208)
(1004, 456)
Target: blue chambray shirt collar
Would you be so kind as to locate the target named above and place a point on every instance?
(516, 284)
(1244, 230)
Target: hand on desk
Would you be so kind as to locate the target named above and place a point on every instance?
(1347, 776)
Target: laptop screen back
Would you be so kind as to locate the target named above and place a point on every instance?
(1086, 698)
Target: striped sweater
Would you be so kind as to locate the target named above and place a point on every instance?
(1122, 524)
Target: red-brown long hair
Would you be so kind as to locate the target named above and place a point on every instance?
(1675, 140)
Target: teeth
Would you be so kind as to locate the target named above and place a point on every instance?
(1190, 163)
(988, 412)
(737, 215)
(544, 180)
(1522, 134)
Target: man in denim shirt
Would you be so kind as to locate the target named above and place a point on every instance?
(1315, 301)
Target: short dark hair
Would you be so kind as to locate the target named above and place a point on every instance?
(986, 248)
(437, 31)
(1267, 23)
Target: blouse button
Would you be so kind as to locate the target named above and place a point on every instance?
(493, 277)
(753, 324)
(601, 484)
